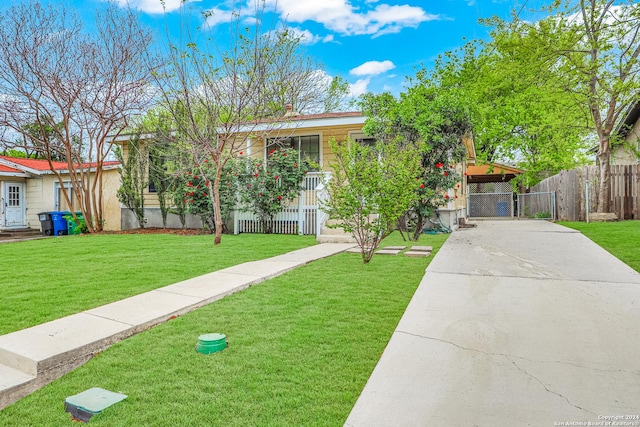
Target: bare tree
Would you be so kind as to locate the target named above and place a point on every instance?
(75, 87)
(218, 98)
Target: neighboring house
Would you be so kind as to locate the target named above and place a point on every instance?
(629, 130)
(28, 187)
(310, 135)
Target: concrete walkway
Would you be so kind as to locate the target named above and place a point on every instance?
(515, 323)
(33, 357)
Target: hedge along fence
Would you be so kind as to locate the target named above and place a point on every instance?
(571, 191)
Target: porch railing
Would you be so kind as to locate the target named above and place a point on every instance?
(299, 217)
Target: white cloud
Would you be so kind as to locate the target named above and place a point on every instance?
(217, 16)
(359, 87)
(307, 37)
(339, 16)
(372, 68)
(152, 6)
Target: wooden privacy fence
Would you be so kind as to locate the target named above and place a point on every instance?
(571, 191)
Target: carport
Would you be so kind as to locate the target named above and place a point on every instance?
(490, 193)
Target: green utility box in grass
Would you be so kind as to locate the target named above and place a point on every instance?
(211, 343)
(83, 406)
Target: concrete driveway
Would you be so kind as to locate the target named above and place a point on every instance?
(515, 323)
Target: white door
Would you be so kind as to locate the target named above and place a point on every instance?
(14, 209)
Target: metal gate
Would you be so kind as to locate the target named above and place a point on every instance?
(540, 205)
(490, 205)
(490, 200)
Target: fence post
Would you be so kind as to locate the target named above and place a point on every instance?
(587, 197)
(301, 213)
(236, 222)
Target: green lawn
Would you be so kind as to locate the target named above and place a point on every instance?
(50, 278)
(302, 347)
(622, 238)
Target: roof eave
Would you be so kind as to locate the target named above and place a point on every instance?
(632, 116)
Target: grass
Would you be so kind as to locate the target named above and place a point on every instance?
(43, 280)
(302, 347)
(619, 238)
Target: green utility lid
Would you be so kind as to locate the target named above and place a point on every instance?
(85, 405)
(211, 343)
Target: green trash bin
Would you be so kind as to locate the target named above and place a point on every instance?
(72, 226)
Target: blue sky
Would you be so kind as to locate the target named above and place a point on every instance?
(373, 44)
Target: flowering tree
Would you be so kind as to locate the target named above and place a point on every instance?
(265, 189)
(194, 193)
(433, 121)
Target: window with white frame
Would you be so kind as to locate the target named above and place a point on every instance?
(308, 146)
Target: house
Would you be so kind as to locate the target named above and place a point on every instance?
(310, 136)
(28, 187)
(627, 153)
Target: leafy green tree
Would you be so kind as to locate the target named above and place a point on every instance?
(370, 189)
(519, 110)
(266, 189)
(134, 176)
(433, 122)
(598, 62)
(546, 82)
(160, 177)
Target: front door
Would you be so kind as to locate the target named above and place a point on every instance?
(13, 205)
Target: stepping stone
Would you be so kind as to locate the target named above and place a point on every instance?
(388, 252)
(417, 254)
(421, 248)
(393, 248)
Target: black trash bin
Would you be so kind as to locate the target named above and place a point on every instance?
(46, 223)
(53, 223)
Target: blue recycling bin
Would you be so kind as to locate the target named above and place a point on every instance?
(53, 223)
(502, 208)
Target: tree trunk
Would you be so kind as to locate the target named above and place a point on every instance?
(217, 212)
(604, 191)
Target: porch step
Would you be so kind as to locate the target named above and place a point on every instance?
(11, 378)
(13, 384)
(334, 231)
(335, 238)
(19, 234)
(334, 235)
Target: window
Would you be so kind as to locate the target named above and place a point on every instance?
(361, 138)
(60, 201)
(308, 146)
(14, 196)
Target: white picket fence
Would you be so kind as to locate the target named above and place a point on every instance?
(300, 217)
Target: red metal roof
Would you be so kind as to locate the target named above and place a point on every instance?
(4, 168)
(37, 164)
(43, 165)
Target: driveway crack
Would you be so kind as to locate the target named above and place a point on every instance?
(513, 362)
